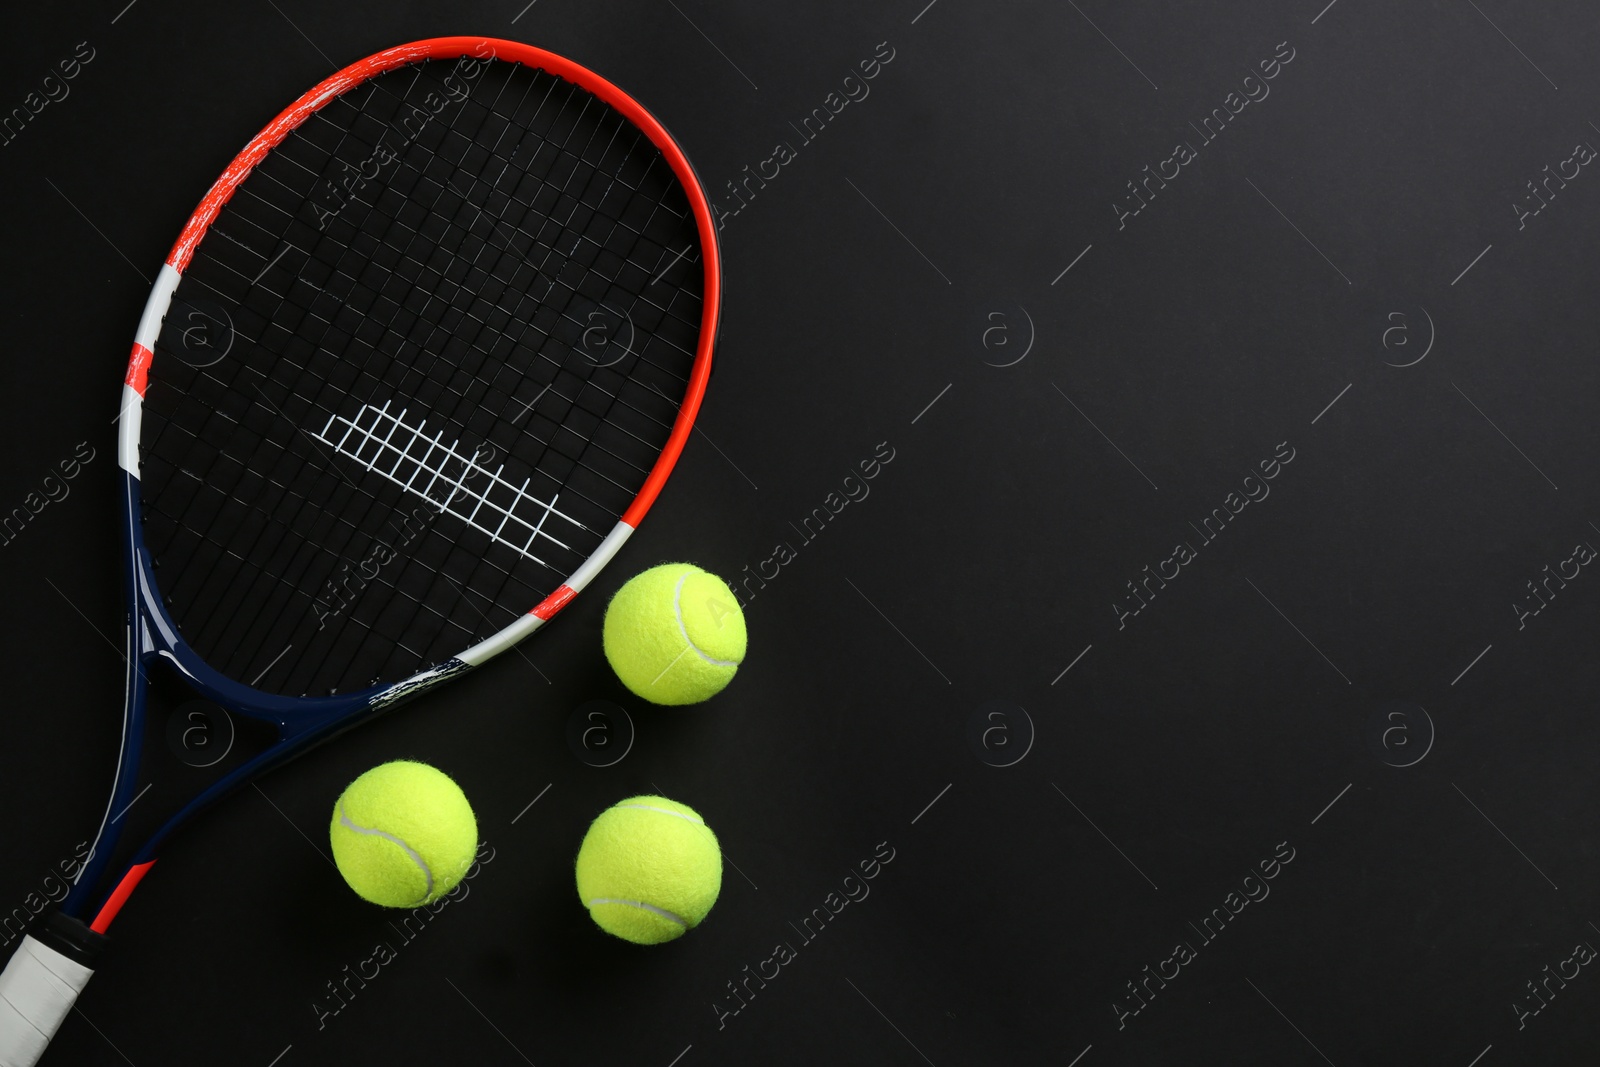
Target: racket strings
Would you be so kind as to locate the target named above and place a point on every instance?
(549, 251)
(204, 622)
(483, 324)
(422, 604)
(448, 187)
(613, 177)
(618, 126)
(483, 392)
(529, 325)
(648, 415)
(487, 246)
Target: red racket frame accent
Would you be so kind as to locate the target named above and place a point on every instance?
(511, 51)
(138, 368)
(119, 896)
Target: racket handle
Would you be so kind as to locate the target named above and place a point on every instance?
(40, 985)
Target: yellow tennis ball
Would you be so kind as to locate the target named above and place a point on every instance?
(649, 870)
(403, 834)
(674, 634)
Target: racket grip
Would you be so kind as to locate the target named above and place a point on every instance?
(40, 985)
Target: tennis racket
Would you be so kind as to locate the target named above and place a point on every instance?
(414, 370)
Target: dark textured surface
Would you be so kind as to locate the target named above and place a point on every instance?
(1347, 687)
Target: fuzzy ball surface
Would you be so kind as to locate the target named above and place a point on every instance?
(674, 634)
(649, 870)
(403, 834)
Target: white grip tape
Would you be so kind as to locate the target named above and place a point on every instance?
(37, 989)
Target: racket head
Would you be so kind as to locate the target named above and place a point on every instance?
(422, 357)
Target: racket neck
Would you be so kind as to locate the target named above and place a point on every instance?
(136, 655)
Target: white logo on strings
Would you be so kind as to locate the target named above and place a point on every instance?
(401, 453)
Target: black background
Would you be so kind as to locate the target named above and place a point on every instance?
(866, 282)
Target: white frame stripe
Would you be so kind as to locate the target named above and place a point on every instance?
(490, 647)
(131, 415)
(155, 308)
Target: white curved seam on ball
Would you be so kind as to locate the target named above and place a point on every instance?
(665, 811)
(677, 613)
(663, 912)
(344, 820)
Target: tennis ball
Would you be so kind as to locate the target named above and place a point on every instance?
(403, 834)
(674, 634)
(649, 870)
